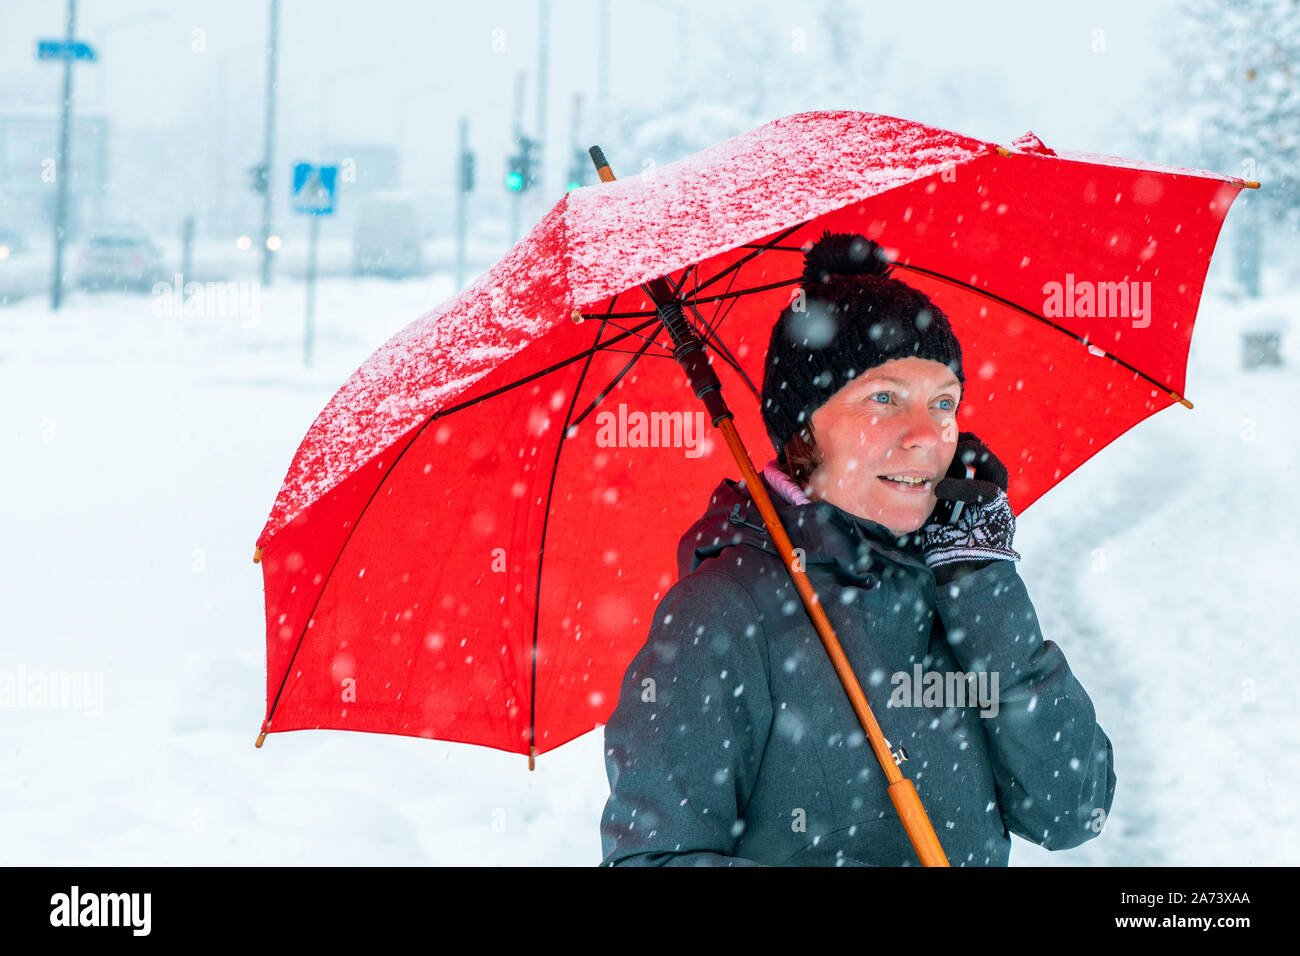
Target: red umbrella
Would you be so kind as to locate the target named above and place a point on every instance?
(471, 539)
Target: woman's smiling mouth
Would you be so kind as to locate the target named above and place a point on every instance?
(908, 484)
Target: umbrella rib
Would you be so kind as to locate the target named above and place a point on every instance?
(1060, 328)
(690, 271)
(720, 313)
(710, 330)
(320, 594)
(711, 334)
(685, 275)
(541, 372)
(707, 335)
(741, 261)
(541, 551)
(666, 355)
(713, 338)
(617, 378)
(432, 418)
(649, 341)
(752, 289)
(620, 315)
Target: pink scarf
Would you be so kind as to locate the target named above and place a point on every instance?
(784, 485)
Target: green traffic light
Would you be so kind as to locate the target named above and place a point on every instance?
(573, 184)
(514, 182)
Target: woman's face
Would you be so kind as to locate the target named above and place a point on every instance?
(899, 420)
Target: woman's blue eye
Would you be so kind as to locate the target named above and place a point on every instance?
(889, 395)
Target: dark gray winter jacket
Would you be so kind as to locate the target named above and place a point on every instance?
(734, 743)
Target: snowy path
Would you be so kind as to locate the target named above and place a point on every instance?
(1161, 567)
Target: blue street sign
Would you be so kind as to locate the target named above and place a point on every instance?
(313, 189)
(64, 50)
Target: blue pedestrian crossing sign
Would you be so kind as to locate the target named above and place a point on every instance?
(313, 189)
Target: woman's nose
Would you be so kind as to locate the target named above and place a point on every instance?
(921, 429)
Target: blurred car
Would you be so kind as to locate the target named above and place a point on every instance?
(387, 240)
(120, 259)
(11, 243)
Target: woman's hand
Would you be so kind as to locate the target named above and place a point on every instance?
(973, 520)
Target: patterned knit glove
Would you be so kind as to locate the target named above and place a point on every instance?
(973, 520)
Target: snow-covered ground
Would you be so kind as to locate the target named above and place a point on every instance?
(141, 456)
(27, 274)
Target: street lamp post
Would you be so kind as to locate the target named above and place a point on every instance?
(61, 168)
(268, 154)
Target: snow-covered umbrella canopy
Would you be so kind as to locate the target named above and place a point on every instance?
(472, 536)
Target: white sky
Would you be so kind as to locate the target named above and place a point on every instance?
(382, 49)
(183, 83)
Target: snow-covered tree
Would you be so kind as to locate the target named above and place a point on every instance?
(731, 74)
(1228, 99)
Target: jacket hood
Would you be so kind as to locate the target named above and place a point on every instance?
(852, 546)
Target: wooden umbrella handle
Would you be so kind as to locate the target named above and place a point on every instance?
(901, 790)
(691, 355)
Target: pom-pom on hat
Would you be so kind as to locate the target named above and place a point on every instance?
(851, 317)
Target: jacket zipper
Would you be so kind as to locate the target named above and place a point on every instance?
(737, 519)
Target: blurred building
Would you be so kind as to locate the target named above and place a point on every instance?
(29, 148)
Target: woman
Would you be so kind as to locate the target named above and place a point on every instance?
(734, 743)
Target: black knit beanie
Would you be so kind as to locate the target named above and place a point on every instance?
(852, 317)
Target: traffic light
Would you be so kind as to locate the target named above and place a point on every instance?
(466, 171)
(257, 178)
(521, 168)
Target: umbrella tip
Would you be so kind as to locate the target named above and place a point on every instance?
(257, 555)
(603, 169)
(1252, 184)
(532, 754)
(1003, 151)
(260, 737)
